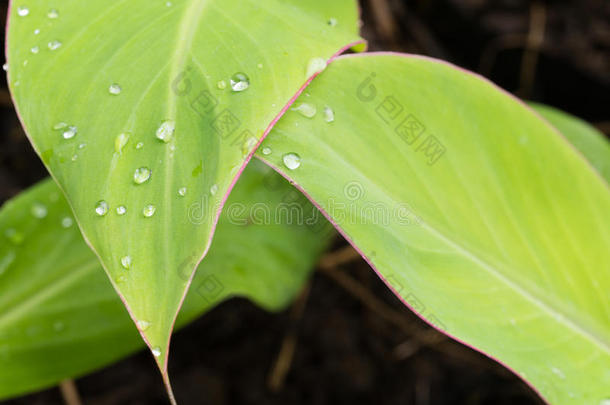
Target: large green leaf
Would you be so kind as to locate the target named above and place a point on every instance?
(588, 140)
(475, 211)
(142, 112)
(60, 317)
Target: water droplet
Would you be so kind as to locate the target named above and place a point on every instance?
(120, 141)
(248, 145)
(53, 45)
(114, 89)
(214, 189)
(70, 132)
(315, 65)
(332, 22)
(558, 373)
(35, 49)
(60, 125)
(74, 158)
(39, 210)
(66, 222)
(260, 66)
(221, 84)
(141, 175)
(126, 262)
(182, 192)
(36, 31)
(143, 325)
(139, 145)
(53, 14)
(149, 210)
(101, 208)
(121, 210)
(165, 132)
(292, 161)
(306, 110)
(240, 82)
(5, 67)
(23, 11)
(329, 114)
(266, 150)
(156, 351)
(82, 146)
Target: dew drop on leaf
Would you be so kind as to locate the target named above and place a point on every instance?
(214, 189)
(292, 161)
(139, 145)
(329, 114)
(266, 150)
(23, 11)
(101, 208)
(70, 132)
(126, 262)
(114, 89)
(182, 191)
(149, 210)
(141, 175)
(240, 82)
(53, 14)
(54, 45)
(315, 65)
(156, 351)
(143, 325)
(120, 141)
(66, 222)
(221, 85)
(165, 132)
(39, 210)
(60, 125)
(332, 22)
(121, 210)
(5, 67)
(306, 110)
(35, 50)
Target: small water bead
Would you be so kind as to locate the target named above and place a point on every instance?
(82, 146)
(39, 210)
(60, 125)
(5, 67)
(260, 66)
(306, 110)
(74, 158)
(156, 351)
(558, 373)
(101, 208)
(182, 192)
(214, 189)
(240, 82)
(114, 89)
(248, 145)
(315, 65)
(53, 14)
(121, 210)
(126, 262)
(66, 222)
(221, 85)
(120, 141)
(23, 11)
(70, 132)
(149, 210)
(292, 161)
(143, 325)
(141, 175)
(332, 22)
(54, 45)
(165, 132)
(35, 49)
(139, 145)
(329, 114)
(36, 31)
(266, 150)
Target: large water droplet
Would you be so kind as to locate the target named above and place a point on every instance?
(53, 14)
(143, 325)
(306, 110)
(66, 222)
(292, 161)
(266, 150)
(23, 11)
(101, 208)
(39, 210)
(141, 175)
(121, 210)
(165, 132)
(70, 132)
(120, 141)
(54, 45)
(315, 65)
(156, 351)
(149, 210)
(329, 114)
(114, 89)
(126, 262)
(240, 82)
(182, 192)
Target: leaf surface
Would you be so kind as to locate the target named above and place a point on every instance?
(146, 112)
(60, 317)
(475, 212)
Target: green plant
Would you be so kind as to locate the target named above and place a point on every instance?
(475, 211)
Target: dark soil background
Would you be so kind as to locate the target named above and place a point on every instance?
(353, 341)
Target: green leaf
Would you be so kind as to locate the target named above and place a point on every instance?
(586, 138)
(129, 102)
(475, 212)
(59, 316)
